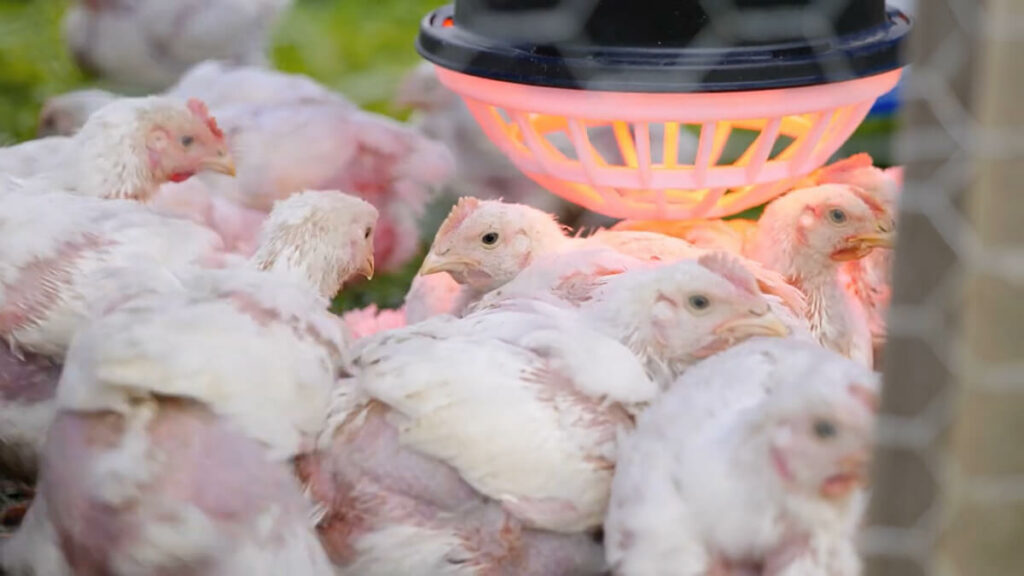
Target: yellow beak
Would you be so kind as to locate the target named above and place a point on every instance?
(877, 240)
(367, 268)
(748, 326)
(222, 163)
(433, 264)
(860, 246)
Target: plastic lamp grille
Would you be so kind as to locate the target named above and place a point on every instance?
(787, 133)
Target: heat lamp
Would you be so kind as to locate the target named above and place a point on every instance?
(768, 89)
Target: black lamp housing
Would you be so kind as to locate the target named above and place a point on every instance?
(666, 46)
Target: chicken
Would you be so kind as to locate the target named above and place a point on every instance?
(180, 413)
(752, 463)
(148, 44)
(483, 245)
(433, 295)
(70, 244)
(288, 134)
(197, 200)
(285, 287)
(127, 149)
(220, 84)
(214, 82)
(807, 235)
(420, 470)
(427, 464)
(869, 279)
(669, 316)
(343, 228)
(65, 114)
(370, 320)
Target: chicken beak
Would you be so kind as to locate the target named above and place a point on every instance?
(852, 473)
(877, 240)
(367, 268)
(433, 264)
(857, 247)
(749, 326)
(223, 163)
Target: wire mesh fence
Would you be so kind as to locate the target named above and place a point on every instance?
(948, 494)
(948, 490)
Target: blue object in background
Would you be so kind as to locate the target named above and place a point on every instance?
(889, 103)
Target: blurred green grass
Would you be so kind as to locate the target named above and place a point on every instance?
(360, 48)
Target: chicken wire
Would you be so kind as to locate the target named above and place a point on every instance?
(949, 492)
(949, 489)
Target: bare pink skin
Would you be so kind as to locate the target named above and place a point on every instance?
(369, 481)
(37, 288)
(238, 226)
(28, 379)
(368, 321)
(25, 382)
(205, 464)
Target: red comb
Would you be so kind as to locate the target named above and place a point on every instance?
(462, 209)
(730, 268)
(198, 107)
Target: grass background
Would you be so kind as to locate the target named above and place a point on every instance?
(358, 47)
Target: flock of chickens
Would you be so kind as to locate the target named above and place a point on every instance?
(654, 398)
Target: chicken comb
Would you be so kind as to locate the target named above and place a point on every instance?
(895, 173)
(876, 206)
(855, 162)
(823, 174)
(198, 107)
(462, 209)
(730, 268)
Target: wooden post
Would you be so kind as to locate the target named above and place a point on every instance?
(949, 480)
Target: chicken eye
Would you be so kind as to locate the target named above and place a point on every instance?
(366, 235)
(699, 302)
(837, 216)
(824, 429)
(489, 239)
(187, 141)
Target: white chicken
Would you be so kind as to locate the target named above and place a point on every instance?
(58, 276)
(282, 293)
(461, 446)
(317, 145)
(179, 415)
(148, 44)
(289, 133)
(807, 235)
(645, 308)
(869, 279)
(215, 82)
(127, 149)
(483, 245)
(65, 114)
(220, 84)
(751, 463)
